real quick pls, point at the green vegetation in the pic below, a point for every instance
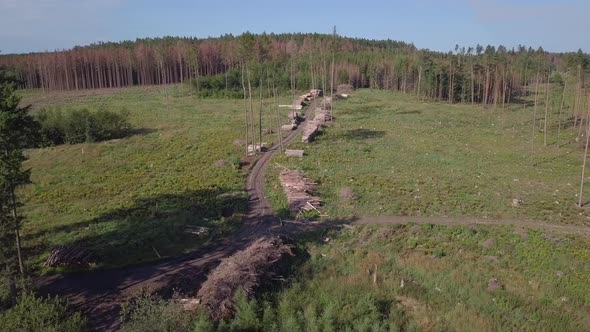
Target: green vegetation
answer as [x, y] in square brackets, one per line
[404, 157]
[34, 314]
[130, 200]
[380, 278]
[82, 126]
[416, 278]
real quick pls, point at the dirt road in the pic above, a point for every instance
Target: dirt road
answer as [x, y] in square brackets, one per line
[465, 221]
[100, 294]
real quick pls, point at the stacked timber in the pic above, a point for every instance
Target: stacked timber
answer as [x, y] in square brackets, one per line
[313, 127]
[70, 256]
[322, 116]
[310, 131]
[298, 103]
[301, 101]
[315, 93]
[295, 118]
[299, 190]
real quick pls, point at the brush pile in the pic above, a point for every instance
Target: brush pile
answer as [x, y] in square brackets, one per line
[246, 270]
[70, 256]
[299, 190]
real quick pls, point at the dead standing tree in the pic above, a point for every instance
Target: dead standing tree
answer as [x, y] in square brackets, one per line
[580, 198]
[332, 70]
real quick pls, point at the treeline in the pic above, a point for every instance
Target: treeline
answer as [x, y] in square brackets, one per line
[488, 75]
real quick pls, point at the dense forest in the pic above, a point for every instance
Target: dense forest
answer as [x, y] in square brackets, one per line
[487, 75]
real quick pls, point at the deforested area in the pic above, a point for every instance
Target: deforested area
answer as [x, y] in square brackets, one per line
[190, 166]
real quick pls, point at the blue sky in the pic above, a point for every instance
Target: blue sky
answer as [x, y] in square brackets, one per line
[40, 25]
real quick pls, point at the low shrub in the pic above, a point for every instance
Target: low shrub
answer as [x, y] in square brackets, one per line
[33, 313]
[146, 313]
[82, 126]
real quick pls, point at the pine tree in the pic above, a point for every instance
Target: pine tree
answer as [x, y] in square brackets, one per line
[18, 130]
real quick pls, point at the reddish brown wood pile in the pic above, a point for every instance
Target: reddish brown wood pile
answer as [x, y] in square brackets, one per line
[300, 191]
[244, 271]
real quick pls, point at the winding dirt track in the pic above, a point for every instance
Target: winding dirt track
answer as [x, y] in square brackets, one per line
[100, 294]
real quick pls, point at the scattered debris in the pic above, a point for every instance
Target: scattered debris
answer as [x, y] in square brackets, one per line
[299, 190]
[489, 243]
[245, 271]
[197, 230]
[494, 285]
[189, 304]
[294, 153]
[517, 202]
[347, 194]
[70, 256]
[493, 259]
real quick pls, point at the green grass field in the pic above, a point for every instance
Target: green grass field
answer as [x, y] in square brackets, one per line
[436, 278]
[401, 156]
[130, 200]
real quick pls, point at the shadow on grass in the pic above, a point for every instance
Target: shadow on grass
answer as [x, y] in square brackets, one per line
[359, 134]
[409, 112]
[50, 139]
[153, 227]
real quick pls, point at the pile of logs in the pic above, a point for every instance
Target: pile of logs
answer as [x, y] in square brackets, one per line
[294, 118]
[312, 128]
[301, 101]
[310, 131]
[70, 256]
[254, 148]
[299, 190]
[322, 116]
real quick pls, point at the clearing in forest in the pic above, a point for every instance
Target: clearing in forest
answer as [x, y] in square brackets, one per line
[400, 156]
